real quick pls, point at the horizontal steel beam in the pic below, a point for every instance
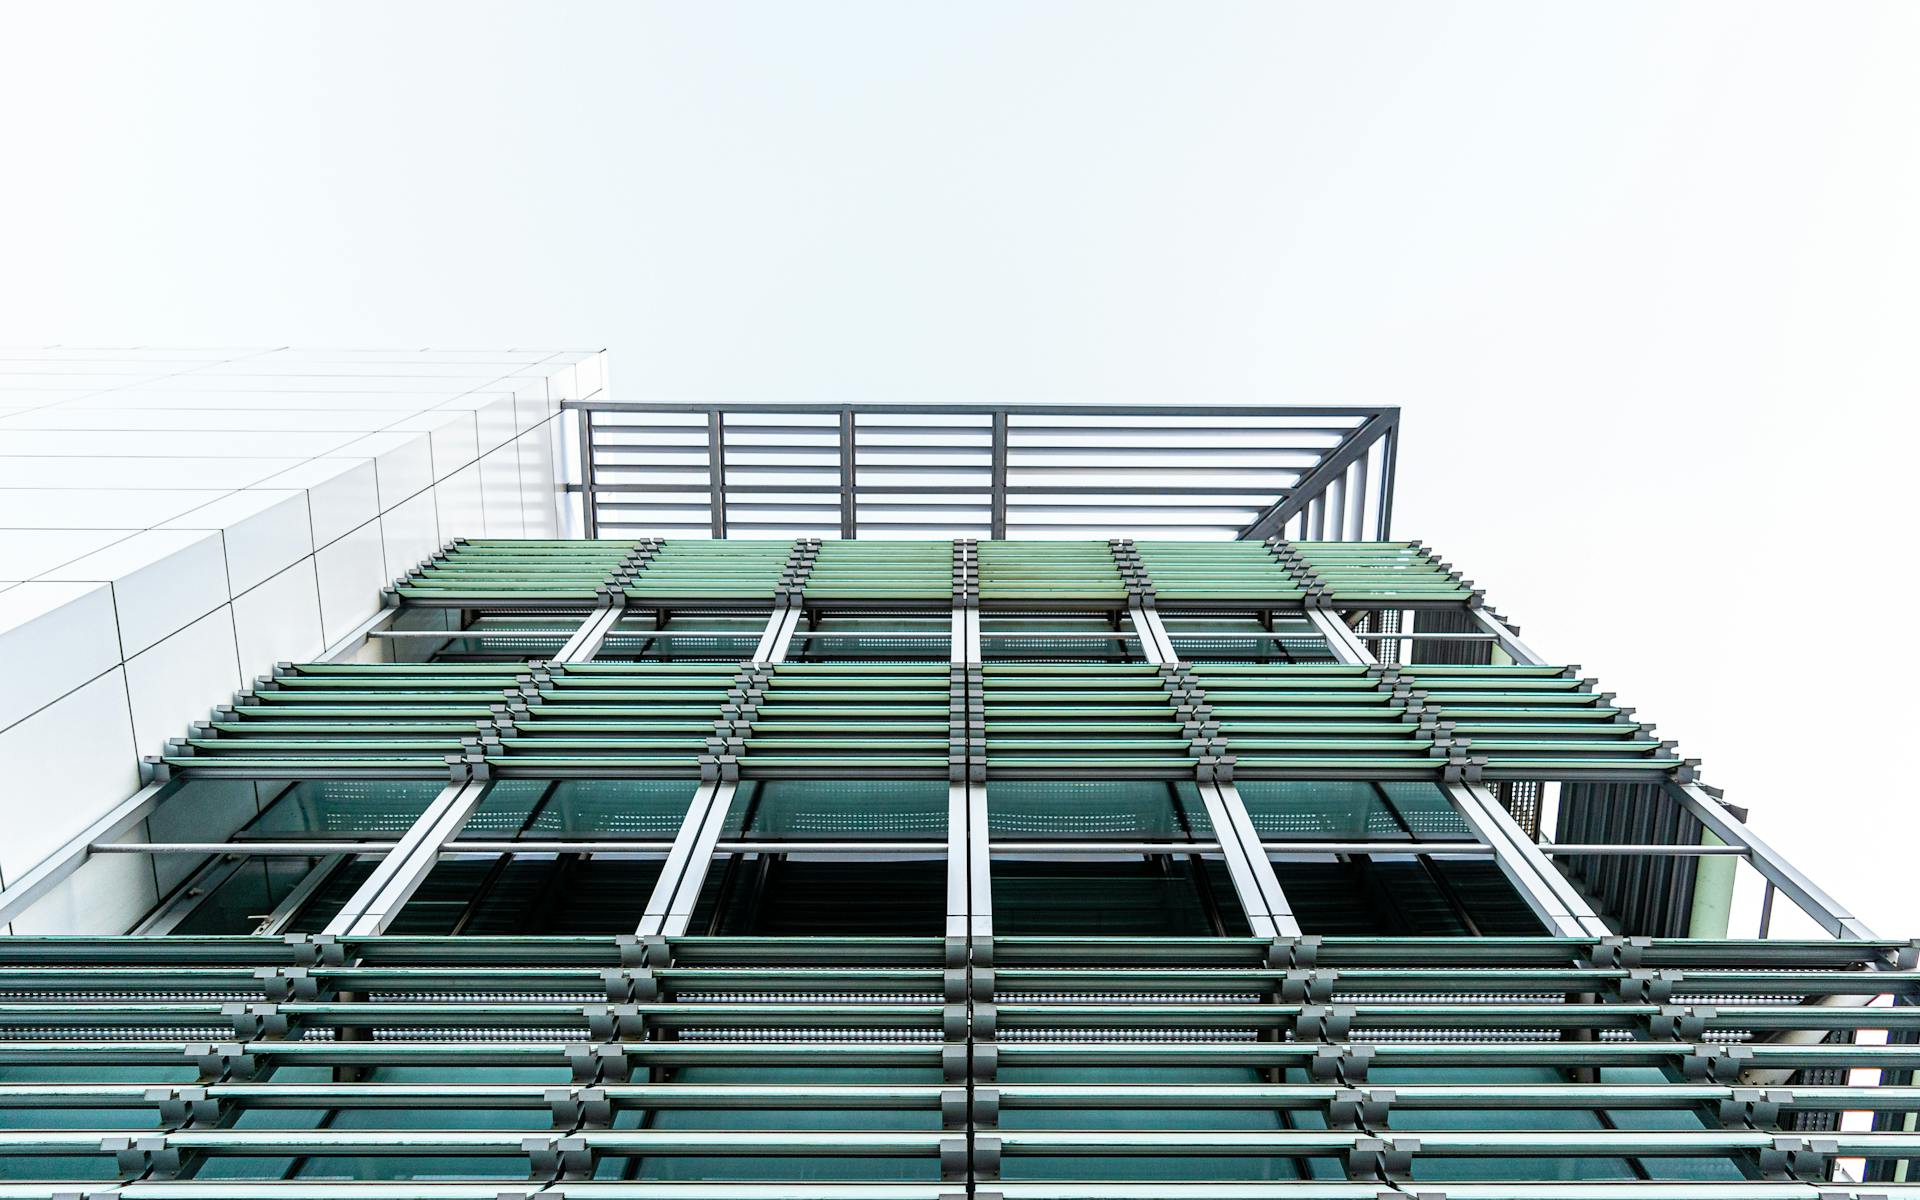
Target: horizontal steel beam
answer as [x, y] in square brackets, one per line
[1772, 866]
[1183, 411]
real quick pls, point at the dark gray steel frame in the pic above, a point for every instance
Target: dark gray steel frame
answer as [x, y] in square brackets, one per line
[1375, 425]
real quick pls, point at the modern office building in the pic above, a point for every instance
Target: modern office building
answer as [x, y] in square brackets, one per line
[919, 802]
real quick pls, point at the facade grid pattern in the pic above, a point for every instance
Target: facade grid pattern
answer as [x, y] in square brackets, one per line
[838, 870]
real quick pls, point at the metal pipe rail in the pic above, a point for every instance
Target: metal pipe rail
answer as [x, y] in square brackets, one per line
[914, 1054]
[509, 575]
[1034, 1097]
[585, 846]
[850, 576]
[647, 575]
[650, 1142]
[1867, 959]
[1376, 575]
[853, 1021]
[1294, 1189]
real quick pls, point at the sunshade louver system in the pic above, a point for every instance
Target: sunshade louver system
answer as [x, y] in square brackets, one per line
[930, 869]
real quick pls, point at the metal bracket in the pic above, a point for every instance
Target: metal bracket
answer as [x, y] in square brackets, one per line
[1380, 1158]
[1719, 1062]
[221, 1061]
[1133, 572]
[1754, 1108]
[598, 1063]
[143, 1157]
[181, 1107]
[558, 1157]
[1343, 1063]
[580, 1107]
[1359, 1108]
[790, 592]
[1792, 1157]
[631, 985]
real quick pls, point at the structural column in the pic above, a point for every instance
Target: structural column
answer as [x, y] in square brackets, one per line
[969, 852]
[684, 874]
[1254, 882]
[378, 900]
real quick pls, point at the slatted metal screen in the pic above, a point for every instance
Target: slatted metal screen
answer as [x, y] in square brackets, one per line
[985, 471]
[671, 868]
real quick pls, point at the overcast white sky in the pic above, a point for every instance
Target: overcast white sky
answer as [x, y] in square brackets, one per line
[1644, 277]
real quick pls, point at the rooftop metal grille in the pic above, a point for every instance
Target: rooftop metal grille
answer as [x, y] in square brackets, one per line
[982, 470]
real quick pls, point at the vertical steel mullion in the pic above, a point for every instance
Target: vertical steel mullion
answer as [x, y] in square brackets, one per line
[1156, 644]
[688, 859]
[1340, 638]
[589, 509]
[1389, 456]
[997, 524]
[699, 862]
[1334, 502]
[1279, 910]
[777, 638]
[1357, 498]
[383, 893]
[1261, 897]
[849, 520]
[969, 849]
[1553, 899]
[660, 900]
[959, 923]
[592, 634]
[717, 473]
[1247, 883]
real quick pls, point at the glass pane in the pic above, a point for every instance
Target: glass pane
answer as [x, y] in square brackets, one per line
[773, 896]
[1342, 810]
[688, 637]
[320, 808]
[1150, 896]
[1246, 639]
[619, 809]
[1351, 811]
[839, 810]
[1382, 896]
[1058, 638]
[464, 635]
[1096, 808]
[1425, 810]
[874, 639]
[553, 895]
[246, 897]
